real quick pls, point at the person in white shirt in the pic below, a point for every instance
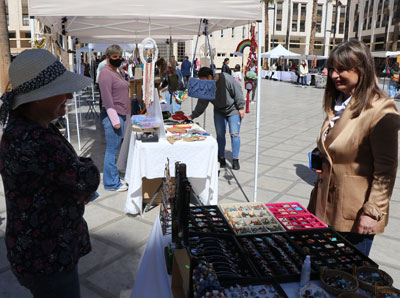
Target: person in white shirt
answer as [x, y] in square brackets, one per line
[237, 74]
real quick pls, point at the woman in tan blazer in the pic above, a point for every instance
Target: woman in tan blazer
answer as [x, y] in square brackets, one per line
[358, 146]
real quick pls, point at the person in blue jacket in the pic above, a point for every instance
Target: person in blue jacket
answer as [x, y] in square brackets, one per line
[186, 70]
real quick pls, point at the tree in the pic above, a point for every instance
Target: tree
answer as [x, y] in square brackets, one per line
[396, 22]
[266, 23]
[5, 56]
[313, 27]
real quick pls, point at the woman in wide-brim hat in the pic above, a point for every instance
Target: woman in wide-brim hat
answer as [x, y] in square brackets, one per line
[46, 183]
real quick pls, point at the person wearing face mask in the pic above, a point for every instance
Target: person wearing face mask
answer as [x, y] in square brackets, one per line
[358, 148]
[116, 107]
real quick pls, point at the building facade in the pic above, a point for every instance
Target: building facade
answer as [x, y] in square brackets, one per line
[371, 21]
[18, 25]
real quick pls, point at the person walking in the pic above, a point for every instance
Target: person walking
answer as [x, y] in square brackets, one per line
[228, 109]
[46, 184]
[225, 67]
[358, 148]
[116, 107]
[186, 68]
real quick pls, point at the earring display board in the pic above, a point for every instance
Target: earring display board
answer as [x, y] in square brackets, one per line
[250, 218]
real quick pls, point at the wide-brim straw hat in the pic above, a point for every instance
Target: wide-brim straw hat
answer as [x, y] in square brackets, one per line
[29, 64]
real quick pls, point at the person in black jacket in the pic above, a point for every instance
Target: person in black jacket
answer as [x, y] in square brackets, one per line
[225, 67]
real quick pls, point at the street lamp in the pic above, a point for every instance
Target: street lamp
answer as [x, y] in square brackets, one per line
[273, 34]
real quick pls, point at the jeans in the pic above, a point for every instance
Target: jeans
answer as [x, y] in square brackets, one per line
[111, 180]
[59, 285]
[303, 80]
[186, 80]
[234, 122]
[392, 88]
[361, 241]
[253, 92]
[173, 105]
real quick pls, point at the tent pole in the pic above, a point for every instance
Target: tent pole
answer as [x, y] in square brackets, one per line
[67, 120]
[258, 112]
[77, 123]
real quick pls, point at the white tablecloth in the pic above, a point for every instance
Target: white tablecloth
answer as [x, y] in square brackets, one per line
[152, 279]
[149, 159]
[285, 76]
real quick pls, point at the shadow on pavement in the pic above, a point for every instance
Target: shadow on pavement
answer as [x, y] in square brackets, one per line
[306, 174]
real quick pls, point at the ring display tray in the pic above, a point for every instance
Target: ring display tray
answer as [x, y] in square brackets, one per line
[329, 249]
[207, 219]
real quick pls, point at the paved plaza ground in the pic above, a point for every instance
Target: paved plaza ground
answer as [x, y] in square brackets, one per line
[291, 117]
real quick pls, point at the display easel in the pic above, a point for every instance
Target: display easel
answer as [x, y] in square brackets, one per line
[205, 32]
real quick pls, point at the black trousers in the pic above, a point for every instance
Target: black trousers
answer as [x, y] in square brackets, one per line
[60, 285]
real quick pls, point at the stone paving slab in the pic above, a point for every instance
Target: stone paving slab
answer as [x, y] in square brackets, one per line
[290, 121]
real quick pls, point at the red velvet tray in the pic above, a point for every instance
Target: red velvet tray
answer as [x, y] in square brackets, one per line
[293, 216]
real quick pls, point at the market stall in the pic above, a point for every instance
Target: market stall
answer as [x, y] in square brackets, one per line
[275, 250]
[127, 21]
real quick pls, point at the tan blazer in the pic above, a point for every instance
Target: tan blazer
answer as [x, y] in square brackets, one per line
[359, 167]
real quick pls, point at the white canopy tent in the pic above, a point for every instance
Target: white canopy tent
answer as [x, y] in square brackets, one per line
[280, 52]
[132, 20]
[389, 54]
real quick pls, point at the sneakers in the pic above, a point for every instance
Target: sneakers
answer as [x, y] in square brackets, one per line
[222, 162]
[122, 188]
[235, 164]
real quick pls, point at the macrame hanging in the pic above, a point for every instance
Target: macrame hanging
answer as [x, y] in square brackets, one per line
[148, 55]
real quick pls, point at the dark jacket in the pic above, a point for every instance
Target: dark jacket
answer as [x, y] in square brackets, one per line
[226, 68]
[185, 68]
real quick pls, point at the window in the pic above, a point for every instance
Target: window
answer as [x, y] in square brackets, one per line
[294, 26]
[25, 16]
[222, 33]
[369, 23]
[302, 26]
[233, 32]
[319, 10]
[341, 28]
[295, 9]
[232, 55]
[378, 21]
[318, 27]
[295, 43]
[279, 9]
[221, 54]
[278, 25]
[334, 19]
[12, 35]
[25, 20]
[318, 45]
[181, 50]
[25, 34]
[380, 5]
[243, 32]
[303, 10]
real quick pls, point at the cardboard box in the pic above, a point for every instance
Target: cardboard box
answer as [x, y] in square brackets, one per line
[180, 274]
[149, 188]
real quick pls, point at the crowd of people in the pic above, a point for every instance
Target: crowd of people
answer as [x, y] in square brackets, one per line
[47, 184]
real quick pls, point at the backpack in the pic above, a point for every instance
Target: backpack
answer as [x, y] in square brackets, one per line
[396, 77]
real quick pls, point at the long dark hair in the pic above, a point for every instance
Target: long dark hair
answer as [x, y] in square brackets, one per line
[353, 55]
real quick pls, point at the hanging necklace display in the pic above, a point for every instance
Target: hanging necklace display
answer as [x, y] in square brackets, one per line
[148, 55]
